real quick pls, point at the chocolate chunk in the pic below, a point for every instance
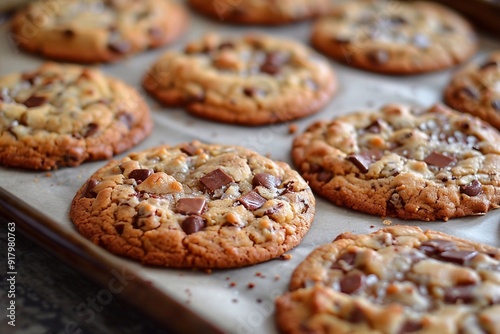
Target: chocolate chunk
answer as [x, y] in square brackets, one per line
[469, 92]
[315, 168]
[352, 282]
[140, 174]
[324, 176]
[191, 206]
[252, 200]
[359, 161]
[434, 246]
[89, 189]
[275, 209]
[119, 227]
[438, 159]
[267, 180]
[357, 315]
[68, 33]
[345, 260]
[464, 294]
[421, 41]
[193, 224]
[378, 57]
[126, 118]
[253, 91]
[341, 40]
[226, 45]
[190, 149]
[35, 101]
[495, 104]
[92, 129]
[273, 62]
[458, 256]
[411, 326]
[374, 127]
[472, 189]
[216, 180]
[488, 64]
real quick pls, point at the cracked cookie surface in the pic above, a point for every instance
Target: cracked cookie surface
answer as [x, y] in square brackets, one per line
[261, 11]
[395, 37]
[396, 280]
[476, 90]
[63, 115]
[93, 31]
[195, 206]
[252, 80]
[403, 162]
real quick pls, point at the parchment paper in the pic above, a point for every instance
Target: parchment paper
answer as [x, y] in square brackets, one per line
[224, 297]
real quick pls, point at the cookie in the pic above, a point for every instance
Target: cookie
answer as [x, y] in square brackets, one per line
[250, 80]
[261, 11]
[396, 280]
[63, 115]
[405, 162]
[93, 31]
[395, 37]
[195, 206]
[476, 90]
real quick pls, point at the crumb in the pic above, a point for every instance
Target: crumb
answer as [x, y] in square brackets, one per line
[387, 222]
[232, 284]
[259, 300]
[207, 271]
[259, 274]
[372, 226]
[292, 128]
[36, 180]
[228, 278]
[286, 257]
[235, 300]
[251, 285]
[277, 277]
[48, 174]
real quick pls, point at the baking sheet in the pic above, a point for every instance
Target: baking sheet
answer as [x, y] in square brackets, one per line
[224, 297]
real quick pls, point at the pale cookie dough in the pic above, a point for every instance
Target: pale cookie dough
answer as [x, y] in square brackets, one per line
[261, 11]
[92, 31]
[249, 80]
[394, 281]
[476, 90]
[404, 162]
[63, 115]
[195, 206]
[395, 37]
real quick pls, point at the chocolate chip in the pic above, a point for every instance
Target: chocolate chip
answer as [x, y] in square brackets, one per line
[324, 176]
[352, 282]
[191, 206]
[89, 189]
[341, 40]
[252, 200]
[496, 104]
[253, 91]
[464, 294]
[469, 92]
[35, 101]
[378, 57]
[357, 315]
[488, 64]
[458, 256]
[411, 326]
[68, 33]
[140, 174]
[126, 118]
[119, 227]
[265, 179]
[472, 189]
[434, 246]
[421, 41]
[216, 180]
[438, 159]
[374, 127]
[315, 168]
[226, 45]
[345, 260]
[92, 129]
[360, 161]
[273, 62]
[193, 224]
[190, 149]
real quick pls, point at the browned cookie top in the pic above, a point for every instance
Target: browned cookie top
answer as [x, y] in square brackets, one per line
[396, 280]
[91, 31]
[195, 205]
[261, 11]
[476, 90]
[61, 115]
[404, 162]
[395, 37]
[249, 80]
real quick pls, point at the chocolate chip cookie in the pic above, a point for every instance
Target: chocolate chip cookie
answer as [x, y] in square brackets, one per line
[92, 31]
[249, 80]
[261, 11]
[476, 90]
[63, 115]
[396, 280]
[395, 37]
[404, 162]
[196, 206]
